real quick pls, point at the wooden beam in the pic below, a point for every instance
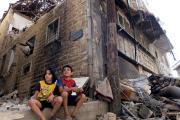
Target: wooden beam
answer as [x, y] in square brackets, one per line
[112, 56]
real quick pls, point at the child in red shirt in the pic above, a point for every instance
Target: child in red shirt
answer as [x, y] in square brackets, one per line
[72, 95]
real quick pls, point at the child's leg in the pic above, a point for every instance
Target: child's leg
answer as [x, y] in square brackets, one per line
[81, 99]
[65, 103]
[56, 103]
[35, 106]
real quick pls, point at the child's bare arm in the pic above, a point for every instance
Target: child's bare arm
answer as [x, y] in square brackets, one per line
[35, 95]
[66, 89]
[61, 89]
[76, 89]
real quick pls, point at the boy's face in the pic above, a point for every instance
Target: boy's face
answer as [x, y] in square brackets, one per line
[48, 76]
[67, 72]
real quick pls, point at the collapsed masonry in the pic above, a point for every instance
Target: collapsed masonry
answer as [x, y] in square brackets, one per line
[36, 34]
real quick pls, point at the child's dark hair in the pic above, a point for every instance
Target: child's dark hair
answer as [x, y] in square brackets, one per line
[54, 77]
[67, 66]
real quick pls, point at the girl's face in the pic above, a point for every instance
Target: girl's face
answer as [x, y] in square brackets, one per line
[67, 72]
[48, 76]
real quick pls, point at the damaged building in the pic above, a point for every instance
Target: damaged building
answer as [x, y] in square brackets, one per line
[34, 36]
[37, 34]
[177, 67]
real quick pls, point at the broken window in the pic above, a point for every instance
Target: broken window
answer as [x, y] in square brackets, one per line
[26, 69]
[15, 30]
[52, 31]
[156, 54]
[120, 20]
[3, 63]
[28, 46]
[31, 43]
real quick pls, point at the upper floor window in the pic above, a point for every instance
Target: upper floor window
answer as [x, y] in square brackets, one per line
[31, 43]
[28, 47]
[120, 20]
[52, 31]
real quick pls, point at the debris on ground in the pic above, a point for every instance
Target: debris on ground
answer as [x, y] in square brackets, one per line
[155, 97]
[107, 116]
[11, 107]
[146, 98]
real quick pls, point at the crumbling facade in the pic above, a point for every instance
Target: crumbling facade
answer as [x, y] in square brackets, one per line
[74, 32]
[177, 67]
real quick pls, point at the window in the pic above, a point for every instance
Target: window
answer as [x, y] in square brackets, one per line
[3, 63]
[31, 43]
[28, 47]
[26, 69]
[120, 20]
[52, 31]
[156, 54]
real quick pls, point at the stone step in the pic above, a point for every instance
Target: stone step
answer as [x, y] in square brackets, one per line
[89, 111]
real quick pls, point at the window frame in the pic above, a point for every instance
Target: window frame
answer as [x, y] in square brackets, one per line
[22, 69]
[47, 28]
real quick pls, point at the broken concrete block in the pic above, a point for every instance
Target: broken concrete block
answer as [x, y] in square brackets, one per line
[144, 112]
[107, 116]
[111, 116]
[128, 93]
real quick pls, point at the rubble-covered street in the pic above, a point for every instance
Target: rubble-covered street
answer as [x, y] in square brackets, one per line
[141, 99]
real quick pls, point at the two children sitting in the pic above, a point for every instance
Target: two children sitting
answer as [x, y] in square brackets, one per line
[52, 93]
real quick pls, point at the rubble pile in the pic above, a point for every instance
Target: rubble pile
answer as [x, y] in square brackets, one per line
[155, 97]
[11, 107]
[149, 98]
[108, 116]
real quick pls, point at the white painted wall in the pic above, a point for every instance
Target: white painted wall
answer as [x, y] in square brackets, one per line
[19, 22]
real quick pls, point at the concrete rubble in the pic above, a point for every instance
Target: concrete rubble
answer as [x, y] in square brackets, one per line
[11, 107]
[150, 98]
[155, 97]
[138, 101]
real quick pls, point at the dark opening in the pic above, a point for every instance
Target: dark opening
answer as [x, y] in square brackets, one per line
[31, 43]
[3, 63]
[26, 68]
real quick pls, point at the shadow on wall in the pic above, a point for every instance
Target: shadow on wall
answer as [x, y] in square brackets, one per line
[2, 82]
[127, 70]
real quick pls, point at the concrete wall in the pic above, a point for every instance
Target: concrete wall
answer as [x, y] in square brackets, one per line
[4, 26]
[19, 22]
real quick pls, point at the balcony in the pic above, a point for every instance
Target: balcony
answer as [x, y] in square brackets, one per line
[148, 24]
[123, 32]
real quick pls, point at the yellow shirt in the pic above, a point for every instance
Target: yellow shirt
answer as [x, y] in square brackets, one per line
[45, 90]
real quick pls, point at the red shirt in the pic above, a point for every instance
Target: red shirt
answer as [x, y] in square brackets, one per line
[69, 84]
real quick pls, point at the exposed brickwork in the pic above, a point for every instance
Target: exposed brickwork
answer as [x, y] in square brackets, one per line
[72, 17]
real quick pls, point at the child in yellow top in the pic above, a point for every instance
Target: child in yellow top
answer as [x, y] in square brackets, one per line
[46, 95]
